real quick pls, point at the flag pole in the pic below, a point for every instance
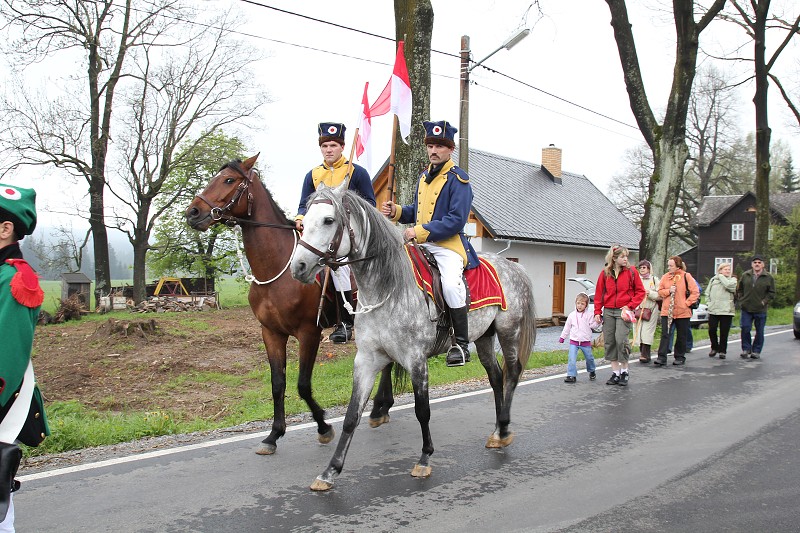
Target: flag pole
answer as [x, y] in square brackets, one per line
[350, 161]
[392, 193]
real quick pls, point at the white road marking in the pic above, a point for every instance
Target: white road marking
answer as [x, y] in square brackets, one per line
[261, 435]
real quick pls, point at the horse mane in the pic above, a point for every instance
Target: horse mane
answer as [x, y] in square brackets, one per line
[280, 215]
[387, 268]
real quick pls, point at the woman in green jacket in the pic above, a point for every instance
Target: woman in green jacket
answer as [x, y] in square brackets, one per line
[719, 298]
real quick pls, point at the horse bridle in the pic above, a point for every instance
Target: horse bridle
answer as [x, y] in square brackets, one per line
[328, 257]
[221, 213]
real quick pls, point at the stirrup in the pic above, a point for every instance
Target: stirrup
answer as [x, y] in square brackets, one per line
[457, 356]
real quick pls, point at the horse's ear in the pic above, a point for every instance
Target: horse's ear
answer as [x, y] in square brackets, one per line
[339, 190]
[250, 161]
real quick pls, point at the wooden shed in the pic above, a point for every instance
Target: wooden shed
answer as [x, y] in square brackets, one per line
[76, 283]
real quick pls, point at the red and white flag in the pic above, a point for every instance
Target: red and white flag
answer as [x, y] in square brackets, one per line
[364, 132]
[396, 96]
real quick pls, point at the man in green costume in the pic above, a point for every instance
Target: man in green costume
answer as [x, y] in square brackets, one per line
[22, 417]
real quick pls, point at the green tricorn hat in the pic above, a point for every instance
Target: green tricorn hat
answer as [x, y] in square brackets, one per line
[18, 205]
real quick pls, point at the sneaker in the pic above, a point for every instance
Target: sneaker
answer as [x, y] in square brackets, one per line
[679, 361]
[722, 355]
[755, 355]
[613, 380]
[623, 380]
[592, 376]
[570, 379]
[744, 355]
[712, 353]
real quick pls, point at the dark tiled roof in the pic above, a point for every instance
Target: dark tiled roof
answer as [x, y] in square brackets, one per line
[75, 277]
[713, 207]
[784, 203]
[517, 200]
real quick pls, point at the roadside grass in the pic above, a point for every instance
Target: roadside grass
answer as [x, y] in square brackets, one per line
[75, 427]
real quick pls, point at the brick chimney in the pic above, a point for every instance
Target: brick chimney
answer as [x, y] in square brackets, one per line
[551, 162]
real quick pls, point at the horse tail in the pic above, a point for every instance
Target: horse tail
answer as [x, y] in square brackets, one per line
[527, 336]
[400, 377]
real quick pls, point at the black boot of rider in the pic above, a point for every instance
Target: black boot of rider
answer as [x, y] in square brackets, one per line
[10, 457]
[458, 354]
[344, 330]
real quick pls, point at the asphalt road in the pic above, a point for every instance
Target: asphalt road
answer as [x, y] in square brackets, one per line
[711, 446]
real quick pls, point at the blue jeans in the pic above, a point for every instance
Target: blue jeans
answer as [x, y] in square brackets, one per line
[572, 367]
[748, 320]
[689, 338]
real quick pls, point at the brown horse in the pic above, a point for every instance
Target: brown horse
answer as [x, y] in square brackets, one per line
[281, 304]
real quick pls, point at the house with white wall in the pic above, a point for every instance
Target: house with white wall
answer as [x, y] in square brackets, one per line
[556, 224]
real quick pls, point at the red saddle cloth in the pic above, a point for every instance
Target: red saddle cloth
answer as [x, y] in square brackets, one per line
[483, 281]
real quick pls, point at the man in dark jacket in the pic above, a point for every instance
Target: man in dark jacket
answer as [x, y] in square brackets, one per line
[755, 290]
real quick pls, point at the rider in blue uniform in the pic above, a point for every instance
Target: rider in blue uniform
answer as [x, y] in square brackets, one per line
[440, 210]
[332, 172]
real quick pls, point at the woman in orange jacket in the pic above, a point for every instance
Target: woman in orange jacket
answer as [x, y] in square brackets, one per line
[678, 291]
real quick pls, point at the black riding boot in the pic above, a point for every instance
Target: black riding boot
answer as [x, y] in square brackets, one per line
[458, 354]
[344, 330]
[10, 457]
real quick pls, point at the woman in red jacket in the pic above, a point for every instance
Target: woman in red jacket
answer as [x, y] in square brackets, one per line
[679, 292]
[619, 291]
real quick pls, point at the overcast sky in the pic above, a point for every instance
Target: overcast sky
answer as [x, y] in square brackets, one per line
[315, 72]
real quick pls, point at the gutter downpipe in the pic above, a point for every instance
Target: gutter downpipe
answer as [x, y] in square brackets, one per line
[508, 245]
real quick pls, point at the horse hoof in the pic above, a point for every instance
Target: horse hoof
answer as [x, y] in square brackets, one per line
[376, 422]
[421, 471]
[321, 485]
[266, 449]
[325, 438]
[496, 442]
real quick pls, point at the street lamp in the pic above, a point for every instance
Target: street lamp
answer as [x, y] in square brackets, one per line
[466, 68]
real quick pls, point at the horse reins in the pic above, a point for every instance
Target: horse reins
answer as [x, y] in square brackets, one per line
[328, 257]
[220, 213]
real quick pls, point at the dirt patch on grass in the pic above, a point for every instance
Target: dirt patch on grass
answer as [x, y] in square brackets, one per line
[152, 361]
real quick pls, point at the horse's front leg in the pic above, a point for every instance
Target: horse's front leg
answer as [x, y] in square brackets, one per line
[365, 368]
[275, 344]
[384, 399]
[309, 345]
[422, 408]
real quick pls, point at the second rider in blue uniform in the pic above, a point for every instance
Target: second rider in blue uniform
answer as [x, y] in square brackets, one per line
[440, 210]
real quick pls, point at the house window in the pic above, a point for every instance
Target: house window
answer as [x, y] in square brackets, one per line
[737, 232]
[722, 260]
[581, 267]
[773, 266]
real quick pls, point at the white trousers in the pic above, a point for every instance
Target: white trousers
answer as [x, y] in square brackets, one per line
[341, 278]
[451, 267]
[7, 525]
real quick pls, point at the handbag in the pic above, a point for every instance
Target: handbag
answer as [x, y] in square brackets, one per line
[644, 313]
[689, 293]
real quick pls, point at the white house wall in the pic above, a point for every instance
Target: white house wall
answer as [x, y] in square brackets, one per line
[538, 259]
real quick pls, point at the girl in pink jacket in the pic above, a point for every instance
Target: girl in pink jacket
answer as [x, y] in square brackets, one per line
[579, 329]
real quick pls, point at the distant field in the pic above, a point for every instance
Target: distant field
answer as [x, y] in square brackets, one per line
[232, 292]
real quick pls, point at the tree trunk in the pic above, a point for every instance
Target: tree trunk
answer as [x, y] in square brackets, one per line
[139, 271]
[667, 140]
[763, 132]
[414, 24]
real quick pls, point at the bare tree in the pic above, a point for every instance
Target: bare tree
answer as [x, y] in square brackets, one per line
[755, 17]
[413, 21]
[667, 140]
[201, 87]
[75, 133]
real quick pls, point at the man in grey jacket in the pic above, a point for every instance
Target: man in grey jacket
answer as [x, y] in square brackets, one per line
[755, 290]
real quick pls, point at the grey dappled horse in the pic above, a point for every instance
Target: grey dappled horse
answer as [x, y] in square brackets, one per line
[394, 323]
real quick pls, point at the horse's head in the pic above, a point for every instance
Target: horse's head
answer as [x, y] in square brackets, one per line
[326, 233]
[225, 196]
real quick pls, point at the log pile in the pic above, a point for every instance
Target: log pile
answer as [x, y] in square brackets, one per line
[170, 304]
